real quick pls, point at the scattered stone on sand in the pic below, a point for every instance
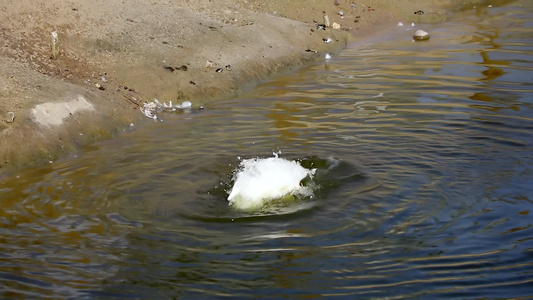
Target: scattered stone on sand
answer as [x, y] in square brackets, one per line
[10, 117]
[421, 35]
[336, 26]
[172, 69]
[326, 21]
[54, 45]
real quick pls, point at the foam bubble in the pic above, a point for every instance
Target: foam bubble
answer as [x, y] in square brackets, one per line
[261, 181]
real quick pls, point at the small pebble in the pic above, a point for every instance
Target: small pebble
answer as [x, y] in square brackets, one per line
[10, 117]
[421, 35]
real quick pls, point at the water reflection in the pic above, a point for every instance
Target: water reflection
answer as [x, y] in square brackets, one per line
[489, 39]
[285, 116]
[430, 197]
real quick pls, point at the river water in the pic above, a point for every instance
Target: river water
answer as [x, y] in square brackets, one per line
[424, 183]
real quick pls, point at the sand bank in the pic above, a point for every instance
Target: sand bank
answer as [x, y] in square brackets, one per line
[113, 56]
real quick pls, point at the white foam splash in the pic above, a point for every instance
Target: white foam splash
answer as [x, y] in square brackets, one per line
[260, 181]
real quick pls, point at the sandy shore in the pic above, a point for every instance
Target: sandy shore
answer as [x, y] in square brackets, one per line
[114, 56]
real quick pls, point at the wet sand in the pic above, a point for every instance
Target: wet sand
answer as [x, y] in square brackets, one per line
[115, 56]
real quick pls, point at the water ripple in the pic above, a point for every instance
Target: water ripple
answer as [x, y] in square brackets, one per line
[430, 196]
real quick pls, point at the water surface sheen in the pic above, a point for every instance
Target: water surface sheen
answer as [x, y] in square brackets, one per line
[426, 186]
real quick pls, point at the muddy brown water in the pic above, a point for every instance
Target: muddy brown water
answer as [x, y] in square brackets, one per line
[425, 152]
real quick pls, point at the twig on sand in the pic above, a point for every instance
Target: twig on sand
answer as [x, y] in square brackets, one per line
[133, 100]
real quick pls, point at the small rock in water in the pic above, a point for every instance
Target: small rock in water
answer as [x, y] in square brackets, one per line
[184, 104]
[421, 35]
